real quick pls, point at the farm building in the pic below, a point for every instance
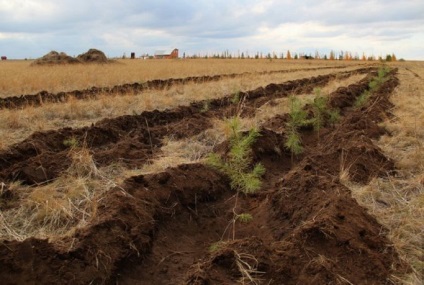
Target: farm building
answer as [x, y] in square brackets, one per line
[168, 55]
[3, 57]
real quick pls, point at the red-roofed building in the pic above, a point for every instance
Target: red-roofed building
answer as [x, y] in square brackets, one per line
[166, 55]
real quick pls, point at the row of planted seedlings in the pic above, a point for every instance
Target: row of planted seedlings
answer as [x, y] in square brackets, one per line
[316, 113]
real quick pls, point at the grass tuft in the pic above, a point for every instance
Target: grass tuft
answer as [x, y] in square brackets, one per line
[57, 208]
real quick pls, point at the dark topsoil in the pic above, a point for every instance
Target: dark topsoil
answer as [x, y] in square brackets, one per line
[306, 228]
[42, 97]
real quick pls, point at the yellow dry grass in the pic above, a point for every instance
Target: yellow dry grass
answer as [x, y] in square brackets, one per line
[70, 201]
[398, 201]
[58, 208]
[19, 78]
[16, 125]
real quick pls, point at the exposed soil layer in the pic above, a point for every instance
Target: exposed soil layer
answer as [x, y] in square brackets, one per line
[163, 228]
[42, 97]
[135, 139]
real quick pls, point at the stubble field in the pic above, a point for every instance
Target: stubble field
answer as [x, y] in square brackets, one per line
[106, 173]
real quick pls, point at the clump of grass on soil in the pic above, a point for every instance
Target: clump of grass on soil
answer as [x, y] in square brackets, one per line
[57, 208]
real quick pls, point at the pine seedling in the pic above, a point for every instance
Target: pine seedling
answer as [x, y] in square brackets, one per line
[297, 119]
[71, 142]
[216, 246]
[244, 218]
[297, 114]
[205, 106]
[319, 108]
[236, 98]
[374, 84]
[237, 166]
[322, 114]
[362, 99]
[293, 142]
[382, 72]
[334, 116]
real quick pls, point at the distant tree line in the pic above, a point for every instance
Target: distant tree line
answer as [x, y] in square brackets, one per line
[341, 55]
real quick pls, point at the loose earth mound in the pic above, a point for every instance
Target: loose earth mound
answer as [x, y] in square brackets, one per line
[174, 227]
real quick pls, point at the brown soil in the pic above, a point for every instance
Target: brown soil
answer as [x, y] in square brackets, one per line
[42, 97]
[307, 228]
[135, 139]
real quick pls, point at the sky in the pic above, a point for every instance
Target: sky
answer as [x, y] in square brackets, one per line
[32, 28]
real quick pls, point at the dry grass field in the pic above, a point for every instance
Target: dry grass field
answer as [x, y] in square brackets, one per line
[18, 77]
[21, 78]
[63, 162]
[398, 201]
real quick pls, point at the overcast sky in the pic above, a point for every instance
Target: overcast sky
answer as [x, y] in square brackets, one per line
[31, 28]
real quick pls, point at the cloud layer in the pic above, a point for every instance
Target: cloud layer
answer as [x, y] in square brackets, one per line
[31, 28]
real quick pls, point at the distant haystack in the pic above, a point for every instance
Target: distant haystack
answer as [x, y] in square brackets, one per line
[53, 58]
[93, 56]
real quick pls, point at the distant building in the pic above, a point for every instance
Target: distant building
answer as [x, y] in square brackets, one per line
[167, 55]
[3, 57]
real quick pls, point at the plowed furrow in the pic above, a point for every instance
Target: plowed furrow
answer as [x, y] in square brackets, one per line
[135, 139]
[157, 84]
[306, 229]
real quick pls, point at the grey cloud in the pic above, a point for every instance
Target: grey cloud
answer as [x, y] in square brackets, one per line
[202, 24]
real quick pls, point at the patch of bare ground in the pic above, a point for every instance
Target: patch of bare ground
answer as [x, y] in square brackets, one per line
[172, 227]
